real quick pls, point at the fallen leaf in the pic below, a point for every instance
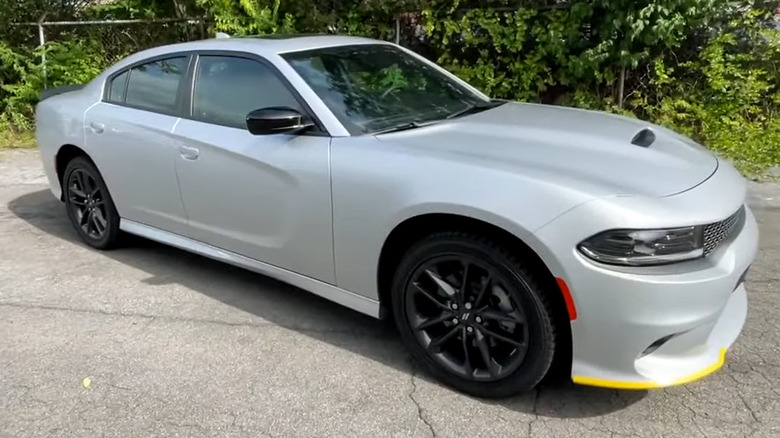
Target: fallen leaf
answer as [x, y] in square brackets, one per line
[86, 382]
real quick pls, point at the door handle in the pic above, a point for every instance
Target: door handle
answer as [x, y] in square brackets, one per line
[189, 153]
[97, 128]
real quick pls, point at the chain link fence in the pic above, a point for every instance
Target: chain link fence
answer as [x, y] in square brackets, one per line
[114, 39]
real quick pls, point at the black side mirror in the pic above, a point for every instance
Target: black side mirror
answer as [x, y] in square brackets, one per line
[267, 121]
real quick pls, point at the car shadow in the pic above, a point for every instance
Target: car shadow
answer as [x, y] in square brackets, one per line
[298, 310]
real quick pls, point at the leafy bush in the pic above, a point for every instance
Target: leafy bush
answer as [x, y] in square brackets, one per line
[728, 98]
[23, 76]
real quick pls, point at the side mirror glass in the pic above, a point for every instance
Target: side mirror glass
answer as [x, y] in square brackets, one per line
[268, 121]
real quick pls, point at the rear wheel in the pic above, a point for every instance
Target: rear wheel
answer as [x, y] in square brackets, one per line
[90, 207]
[473, 315]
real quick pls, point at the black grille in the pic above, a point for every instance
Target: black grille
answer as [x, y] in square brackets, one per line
[716, 233]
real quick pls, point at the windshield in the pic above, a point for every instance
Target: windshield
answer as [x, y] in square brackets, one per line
[374, 87]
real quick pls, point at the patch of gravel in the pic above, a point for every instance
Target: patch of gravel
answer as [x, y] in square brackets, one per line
[21, 167]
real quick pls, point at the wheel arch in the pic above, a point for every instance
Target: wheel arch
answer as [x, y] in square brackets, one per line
[415, 228]
[64, 155]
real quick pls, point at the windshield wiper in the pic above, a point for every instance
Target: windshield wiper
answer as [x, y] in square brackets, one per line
[476, 108]
[403, 127]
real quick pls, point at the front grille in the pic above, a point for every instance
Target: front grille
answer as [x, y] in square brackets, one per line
[716, 233]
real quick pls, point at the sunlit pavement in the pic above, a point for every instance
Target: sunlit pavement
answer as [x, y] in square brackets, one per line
[151, 341]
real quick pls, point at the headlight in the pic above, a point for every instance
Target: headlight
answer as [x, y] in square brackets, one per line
[645, 247]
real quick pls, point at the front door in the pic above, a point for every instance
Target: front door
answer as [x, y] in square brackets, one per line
[264, 197]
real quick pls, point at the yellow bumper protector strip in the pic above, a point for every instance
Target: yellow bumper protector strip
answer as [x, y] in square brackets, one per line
[617, 384]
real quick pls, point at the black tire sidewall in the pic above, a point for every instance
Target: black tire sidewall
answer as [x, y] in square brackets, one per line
[109, 238]
[527, 292]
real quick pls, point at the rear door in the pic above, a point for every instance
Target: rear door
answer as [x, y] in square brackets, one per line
[130, 136]
[266, 197]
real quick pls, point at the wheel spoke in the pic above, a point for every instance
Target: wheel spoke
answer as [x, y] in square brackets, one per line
[443, 285]
[75, 201]
[80, 180]
[78, 192]
[99, 221]
[438, 342]
[430, 322]
[467, 360]
[485, 286]
[93, 221]
[501, 337]
[86, 222]
[484, 351]
[464, 283]
[493, 315]
[430, 297]
[89, 186]
[85, 217]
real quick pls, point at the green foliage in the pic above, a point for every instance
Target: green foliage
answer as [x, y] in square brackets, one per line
[728, 98]
[249, 17]
[72, 62]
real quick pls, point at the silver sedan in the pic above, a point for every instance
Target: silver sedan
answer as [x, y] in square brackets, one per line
[506, 240]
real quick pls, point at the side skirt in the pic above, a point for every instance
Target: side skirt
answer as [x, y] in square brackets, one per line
[329, 292]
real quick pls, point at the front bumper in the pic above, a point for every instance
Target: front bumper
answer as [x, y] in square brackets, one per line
[701, 305]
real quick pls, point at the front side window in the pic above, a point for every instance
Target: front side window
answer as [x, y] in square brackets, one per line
[154, 86]
[228, 88]
[374, 87]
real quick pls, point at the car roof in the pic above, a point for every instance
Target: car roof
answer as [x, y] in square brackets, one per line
[270, 44]
[263, 45]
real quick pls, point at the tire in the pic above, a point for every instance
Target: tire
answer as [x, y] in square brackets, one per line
[89, 205]
[502, 309]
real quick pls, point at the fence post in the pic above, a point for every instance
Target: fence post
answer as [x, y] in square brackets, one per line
[42, 41]
[397, 29]
[622, 87]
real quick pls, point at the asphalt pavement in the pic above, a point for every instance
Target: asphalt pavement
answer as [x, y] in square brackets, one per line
[148, 340]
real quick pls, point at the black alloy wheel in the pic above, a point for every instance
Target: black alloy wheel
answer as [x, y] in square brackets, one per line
[474, 315]
[90, 207]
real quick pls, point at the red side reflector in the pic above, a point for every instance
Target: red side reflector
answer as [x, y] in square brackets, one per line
[567, 298]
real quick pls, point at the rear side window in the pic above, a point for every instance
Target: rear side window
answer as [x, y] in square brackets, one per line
[229, 88]
[116, 92]
[154, 86]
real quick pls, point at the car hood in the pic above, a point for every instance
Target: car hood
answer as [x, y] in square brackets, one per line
[581, 149]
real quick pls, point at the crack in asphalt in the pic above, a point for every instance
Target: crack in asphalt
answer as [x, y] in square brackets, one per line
[534, 410]
[152, 318]
[694, 414]
[741, 396]
[420, 411]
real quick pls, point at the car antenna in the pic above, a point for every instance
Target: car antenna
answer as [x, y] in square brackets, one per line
[222, 35]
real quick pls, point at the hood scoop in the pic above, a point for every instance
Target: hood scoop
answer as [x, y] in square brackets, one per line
[644, 138]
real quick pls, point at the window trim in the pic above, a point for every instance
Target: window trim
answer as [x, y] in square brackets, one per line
[319, 129]
[184, 95]
[111, 84]
[177, 110]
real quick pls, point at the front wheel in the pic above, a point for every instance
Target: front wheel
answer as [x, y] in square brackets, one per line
[474, 315]
[90, 207]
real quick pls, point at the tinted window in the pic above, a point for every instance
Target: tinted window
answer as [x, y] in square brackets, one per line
[228, 88]
[116, 93]
[373, 87]
[154, 86]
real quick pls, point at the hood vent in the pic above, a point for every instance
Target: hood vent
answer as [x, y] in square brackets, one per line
[644, 138]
